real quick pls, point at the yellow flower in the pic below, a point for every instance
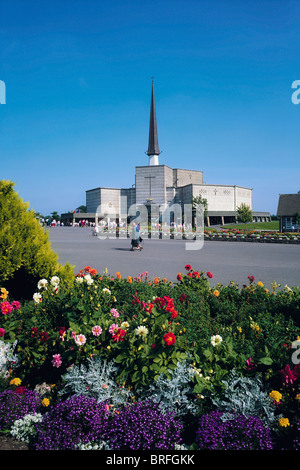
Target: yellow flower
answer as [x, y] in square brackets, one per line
[260, 284]
[239, 329]
[254, 326]
[16, 382]
[4, 293]
[298, 396]
[284, 422]
[276, 396]
[46, 402]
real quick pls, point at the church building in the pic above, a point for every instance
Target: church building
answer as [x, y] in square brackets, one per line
[162, 185]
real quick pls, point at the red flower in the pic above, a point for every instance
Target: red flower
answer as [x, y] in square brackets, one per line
[188, 267]
[34, 332]
[20, 390]
[174, 314]
[209, 275]
[118, 335]
[251, 279]
[196, 274]
[44, 336]
[179, 277]
[182, 297]
[169, 338]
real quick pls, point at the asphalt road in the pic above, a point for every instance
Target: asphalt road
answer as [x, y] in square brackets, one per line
[227, 261]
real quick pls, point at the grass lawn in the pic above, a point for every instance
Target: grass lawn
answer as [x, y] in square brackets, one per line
[273, 225]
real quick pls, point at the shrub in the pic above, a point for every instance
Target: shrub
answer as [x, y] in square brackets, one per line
[25, 251]
[238, 433]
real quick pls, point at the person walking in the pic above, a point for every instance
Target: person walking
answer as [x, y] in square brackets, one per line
[135, 238]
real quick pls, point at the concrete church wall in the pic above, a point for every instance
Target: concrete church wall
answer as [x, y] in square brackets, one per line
[151, 182]
[92, 199]
[223, 198]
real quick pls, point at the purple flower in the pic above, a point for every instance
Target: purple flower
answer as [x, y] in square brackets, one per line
[79, 419]
[143, 426]
[15, 406]
[240, 433]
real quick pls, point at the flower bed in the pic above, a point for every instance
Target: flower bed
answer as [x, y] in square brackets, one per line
[106, 362]
[252, 236]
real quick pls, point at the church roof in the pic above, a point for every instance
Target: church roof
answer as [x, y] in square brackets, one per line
[288, 204]
[153, 148]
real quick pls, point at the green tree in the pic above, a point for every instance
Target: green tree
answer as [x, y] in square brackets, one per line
[25, 251]
[244, 213]
[198, 201]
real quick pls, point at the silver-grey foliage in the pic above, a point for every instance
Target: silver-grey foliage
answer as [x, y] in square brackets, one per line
[246, 396]
[95, 379]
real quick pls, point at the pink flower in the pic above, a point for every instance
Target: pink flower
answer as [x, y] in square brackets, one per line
[15, 305]
[112, 328]
[6, 308]
[114, 313]
[2, 331]
[80, 340]
[250, 365]
[56, 361]
[289, 375]
[97, 330]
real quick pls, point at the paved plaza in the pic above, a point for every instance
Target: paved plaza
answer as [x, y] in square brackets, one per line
[227, 261]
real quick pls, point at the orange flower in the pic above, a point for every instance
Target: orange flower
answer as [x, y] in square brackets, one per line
[118, 275]
[165, 279]
[216, 293]
[129, 279]
[156, 281]
[93, 272]
[87, 269]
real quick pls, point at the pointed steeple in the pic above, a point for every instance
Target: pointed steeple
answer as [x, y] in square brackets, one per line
[153, 148]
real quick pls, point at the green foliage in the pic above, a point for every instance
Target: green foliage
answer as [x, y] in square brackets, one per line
[244, 213]
[25, 251]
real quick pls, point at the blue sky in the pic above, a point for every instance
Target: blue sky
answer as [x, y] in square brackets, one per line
[78, 84]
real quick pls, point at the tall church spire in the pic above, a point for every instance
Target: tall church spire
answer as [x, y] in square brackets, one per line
[153, 148]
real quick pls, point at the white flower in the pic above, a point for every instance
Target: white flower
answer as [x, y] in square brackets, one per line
[216, 340]
[42, 284]
[105, 290]
[79, 280]
[54, 281]
[124, 325]
[141, 331]
[88, 279]
[37, 297]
